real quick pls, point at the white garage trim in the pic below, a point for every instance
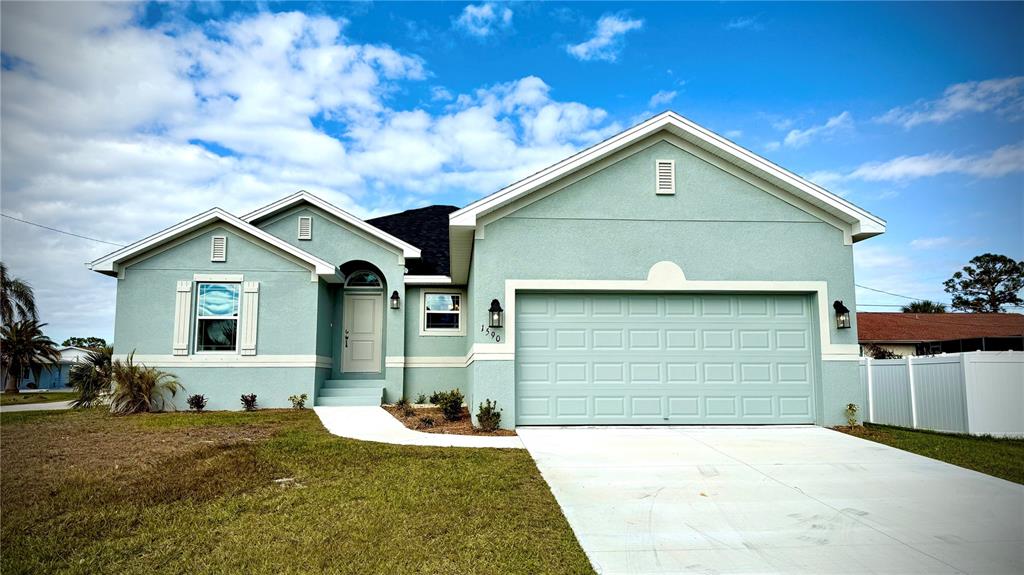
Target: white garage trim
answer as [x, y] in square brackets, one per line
[666, 277]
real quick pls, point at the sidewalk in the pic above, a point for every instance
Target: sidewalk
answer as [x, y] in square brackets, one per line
[374, 424]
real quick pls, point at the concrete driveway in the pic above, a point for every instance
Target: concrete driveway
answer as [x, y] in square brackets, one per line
[773, 500]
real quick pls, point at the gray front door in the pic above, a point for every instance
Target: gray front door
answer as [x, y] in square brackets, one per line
[664, 359]
[362, 319]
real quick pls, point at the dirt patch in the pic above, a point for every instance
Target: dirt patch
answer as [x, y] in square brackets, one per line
[464, 426]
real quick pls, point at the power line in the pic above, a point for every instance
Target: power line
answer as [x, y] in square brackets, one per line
[888, 293]
[60, 231]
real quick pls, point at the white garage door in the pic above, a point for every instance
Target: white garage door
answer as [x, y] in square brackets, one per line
[664, 359]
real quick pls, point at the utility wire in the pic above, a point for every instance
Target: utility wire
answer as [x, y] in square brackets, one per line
[60, 231]
[889, 293]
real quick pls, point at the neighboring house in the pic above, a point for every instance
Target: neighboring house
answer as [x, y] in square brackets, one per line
[932, 333]
[56, 377]
[664, 275]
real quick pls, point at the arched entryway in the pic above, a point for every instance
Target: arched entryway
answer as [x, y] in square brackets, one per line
[362, 319]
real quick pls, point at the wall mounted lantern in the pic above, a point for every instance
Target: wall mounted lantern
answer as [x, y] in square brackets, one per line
[842, 315]
[396, 302]
[496, 313]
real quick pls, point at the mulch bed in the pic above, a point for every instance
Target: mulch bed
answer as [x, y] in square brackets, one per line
[464, 426]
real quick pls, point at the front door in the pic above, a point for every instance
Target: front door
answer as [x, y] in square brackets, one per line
[362, 321]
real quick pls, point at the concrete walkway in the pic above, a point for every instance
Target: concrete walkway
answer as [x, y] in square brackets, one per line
[375, 424]
[53, 405]
[786, 500]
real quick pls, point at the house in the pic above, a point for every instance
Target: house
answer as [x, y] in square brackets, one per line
[664, 275]
[932, 333]
[57, 376]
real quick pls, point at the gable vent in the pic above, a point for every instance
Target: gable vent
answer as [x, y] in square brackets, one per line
[666, 176]
[219, 249]
[305, 228]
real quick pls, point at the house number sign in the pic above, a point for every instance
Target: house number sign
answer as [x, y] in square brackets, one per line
[493, 334]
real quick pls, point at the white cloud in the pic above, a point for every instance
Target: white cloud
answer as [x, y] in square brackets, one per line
[772, 146]
[482, 20]
[1000, 162]
[114, 130]
[607, 40]
[440, 93]
[929, 243]
[661, 98]
[1002, 95]
[734, 134]
[744, 23]
[800, 138]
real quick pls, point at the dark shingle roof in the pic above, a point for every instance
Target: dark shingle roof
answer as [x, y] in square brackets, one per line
[425, 228]
[918, 327]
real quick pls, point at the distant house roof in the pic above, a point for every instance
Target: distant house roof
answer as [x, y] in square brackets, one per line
[920, 327]
[425, 228]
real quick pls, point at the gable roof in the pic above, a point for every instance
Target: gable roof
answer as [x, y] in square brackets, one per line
[424, 227]
[918, 327]
[110, 263]
[408, 250]
[863, 223]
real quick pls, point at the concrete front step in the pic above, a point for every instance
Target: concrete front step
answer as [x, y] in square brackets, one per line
[352, 383]
[364, 400]
[352, 391]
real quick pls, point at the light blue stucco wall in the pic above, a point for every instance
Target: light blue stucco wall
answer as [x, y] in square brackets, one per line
[53, 378]
[339, 243]
[289, 297]
[612, 226]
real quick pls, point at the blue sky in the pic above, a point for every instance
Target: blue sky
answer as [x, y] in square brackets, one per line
[122, 119]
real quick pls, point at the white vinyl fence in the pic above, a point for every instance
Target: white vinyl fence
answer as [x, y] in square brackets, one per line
[981, 392]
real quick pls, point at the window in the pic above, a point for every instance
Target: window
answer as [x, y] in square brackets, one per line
[363, 279]
[442, 312]
[217, 317]
[305, 228]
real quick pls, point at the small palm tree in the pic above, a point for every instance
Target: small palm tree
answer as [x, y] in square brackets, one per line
[24, 350]
[17, 301]
[924, 306]
[92, 376]
[140, 389]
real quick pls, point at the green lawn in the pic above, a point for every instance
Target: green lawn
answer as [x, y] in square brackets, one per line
[36, 397]
[1000, 457]
[264, 492]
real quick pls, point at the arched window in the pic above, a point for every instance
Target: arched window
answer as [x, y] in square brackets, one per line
[363, 279]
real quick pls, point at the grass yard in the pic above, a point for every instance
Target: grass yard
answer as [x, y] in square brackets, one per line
[264, 492]
[999, 457]
[36, 397]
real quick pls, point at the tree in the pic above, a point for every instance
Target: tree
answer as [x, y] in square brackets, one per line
[92, 376]
[17, 301]
[988, 283]
[876, 352]
[25, 350]
[86, 342]
[924, 306]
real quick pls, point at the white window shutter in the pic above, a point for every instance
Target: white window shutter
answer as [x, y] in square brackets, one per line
[665, 173]
[219, 249]
[305, 228]
[182, 317]
[250, 313]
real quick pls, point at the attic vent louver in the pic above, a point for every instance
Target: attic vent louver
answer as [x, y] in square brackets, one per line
[665, 173]
[219, 249]
[305, 228]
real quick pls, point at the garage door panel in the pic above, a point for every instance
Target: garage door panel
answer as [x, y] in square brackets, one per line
[660, 358]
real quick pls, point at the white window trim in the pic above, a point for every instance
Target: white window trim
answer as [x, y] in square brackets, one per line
[238, 323]
[437, 331]
[299, 231]
[657, 168]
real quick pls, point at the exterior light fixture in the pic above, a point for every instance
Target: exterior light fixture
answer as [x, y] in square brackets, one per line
[842, 315]
[396, 302]
[496, 314]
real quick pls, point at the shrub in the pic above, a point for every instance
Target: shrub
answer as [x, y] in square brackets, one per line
[298, 401]
[91, 377]
[405, 408]
[489, 415]
[140, 389]
[426, 421]
[421, 399]
[881, 353]
[249, 402]
[450, 403]
[197, 402]
[851, 414]
[434, 397]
